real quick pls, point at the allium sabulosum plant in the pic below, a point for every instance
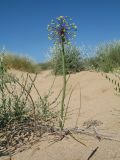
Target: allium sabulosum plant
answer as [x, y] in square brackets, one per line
[61, 31]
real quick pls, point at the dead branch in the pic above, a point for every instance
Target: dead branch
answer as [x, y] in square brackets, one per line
[92, 153]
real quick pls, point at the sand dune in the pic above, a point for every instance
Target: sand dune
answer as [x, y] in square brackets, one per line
[99, 102]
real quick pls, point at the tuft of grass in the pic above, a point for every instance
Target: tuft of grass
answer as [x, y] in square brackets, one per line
[107, 57]
[22, 63]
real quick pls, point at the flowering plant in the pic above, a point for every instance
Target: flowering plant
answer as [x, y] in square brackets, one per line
[62, 30]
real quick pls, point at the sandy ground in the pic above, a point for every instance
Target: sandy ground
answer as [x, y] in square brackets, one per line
[99, 102]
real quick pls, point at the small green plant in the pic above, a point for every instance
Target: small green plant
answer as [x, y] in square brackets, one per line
[62, 31]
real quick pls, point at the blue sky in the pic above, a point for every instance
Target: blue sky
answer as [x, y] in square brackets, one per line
[23, 23]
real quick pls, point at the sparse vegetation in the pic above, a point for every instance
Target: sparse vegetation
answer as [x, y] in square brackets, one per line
[106, 59]
[21, 117]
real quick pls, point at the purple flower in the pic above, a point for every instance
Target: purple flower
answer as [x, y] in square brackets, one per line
[62, 30]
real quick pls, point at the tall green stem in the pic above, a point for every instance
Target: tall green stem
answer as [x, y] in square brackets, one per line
[64, 87]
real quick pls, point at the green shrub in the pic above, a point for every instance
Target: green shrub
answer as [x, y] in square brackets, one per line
[73, 60]
[91, 63]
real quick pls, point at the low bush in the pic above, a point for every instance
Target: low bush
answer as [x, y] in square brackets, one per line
[73, 60]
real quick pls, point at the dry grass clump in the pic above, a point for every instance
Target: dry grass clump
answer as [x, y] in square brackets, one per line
[22, 63]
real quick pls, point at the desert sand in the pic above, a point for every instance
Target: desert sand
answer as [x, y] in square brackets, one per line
[98, 102]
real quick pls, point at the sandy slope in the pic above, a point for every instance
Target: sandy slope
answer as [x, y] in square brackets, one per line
[98, 103]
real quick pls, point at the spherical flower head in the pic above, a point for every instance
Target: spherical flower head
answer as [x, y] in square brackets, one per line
[62, 30]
